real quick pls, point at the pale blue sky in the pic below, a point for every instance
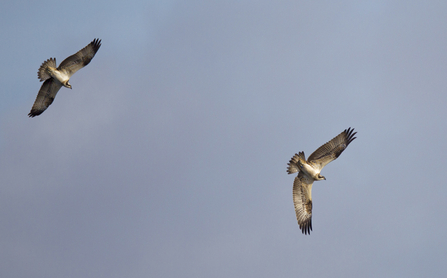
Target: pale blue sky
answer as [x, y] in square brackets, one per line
[168, 157]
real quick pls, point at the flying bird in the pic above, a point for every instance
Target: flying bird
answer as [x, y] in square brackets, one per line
[309, 171]
[55, 78]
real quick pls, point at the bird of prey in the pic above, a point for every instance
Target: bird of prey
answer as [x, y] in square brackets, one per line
[55, 78]
[309, 171]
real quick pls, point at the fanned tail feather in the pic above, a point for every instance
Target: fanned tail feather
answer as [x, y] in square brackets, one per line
[42, 73]
[294, 162]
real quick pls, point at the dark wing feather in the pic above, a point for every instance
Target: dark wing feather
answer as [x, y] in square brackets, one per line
[45, 97]
[302, 199]
[332, 149]
[82, 58]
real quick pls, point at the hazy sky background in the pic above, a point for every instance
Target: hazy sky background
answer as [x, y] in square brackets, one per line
[168, 157]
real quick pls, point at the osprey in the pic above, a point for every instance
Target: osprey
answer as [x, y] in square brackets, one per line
[309, 171]
[55, 78]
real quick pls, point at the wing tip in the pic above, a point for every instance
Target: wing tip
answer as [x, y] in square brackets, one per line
[350, 135]
[306, 227]
[33, 113]
[96, 43]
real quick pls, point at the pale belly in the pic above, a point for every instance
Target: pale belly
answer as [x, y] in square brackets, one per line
[59, 75]
[311, 171]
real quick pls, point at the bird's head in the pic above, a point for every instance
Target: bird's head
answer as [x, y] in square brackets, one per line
[320, 177]
[66, 84]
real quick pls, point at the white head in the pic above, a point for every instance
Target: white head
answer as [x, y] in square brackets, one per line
[66, 84]
[320, 177]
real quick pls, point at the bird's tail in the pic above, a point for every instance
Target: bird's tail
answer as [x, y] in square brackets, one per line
[42, 73]
[295, 161]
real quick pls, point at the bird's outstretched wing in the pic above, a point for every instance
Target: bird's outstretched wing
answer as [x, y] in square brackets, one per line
[302, 199]
[332, 149]
[45, 97]
[79, 60]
